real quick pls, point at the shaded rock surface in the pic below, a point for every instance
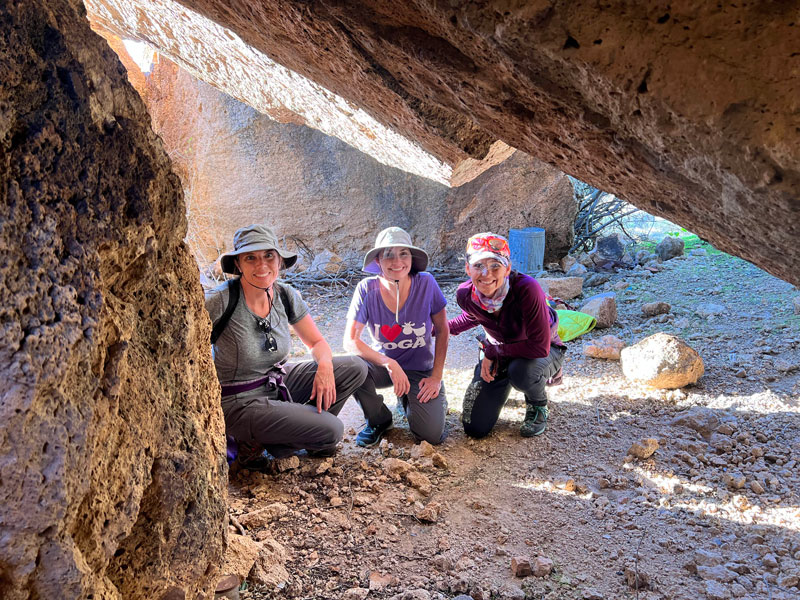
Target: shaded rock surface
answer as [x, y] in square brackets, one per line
[608, 94]
[239, 166]
[111, 447]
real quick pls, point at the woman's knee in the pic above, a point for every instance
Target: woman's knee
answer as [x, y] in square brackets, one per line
[427, 432]
[525, 374]
[475, 431]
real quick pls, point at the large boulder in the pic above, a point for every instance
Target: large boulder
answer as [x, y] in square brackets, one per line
[112, 457]
[239, 166]
[662, 361]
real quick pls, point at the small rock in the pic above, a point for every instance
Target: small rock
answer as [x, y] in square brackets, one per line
[577, 270]
[263, 516]
[280, 465]
[396, 467]
[698, 252]
[419, 481]
[439, 461]
[240, 555]
[565, 288]
[637, 580]
[716, 591]
[413, 594]
[603, 307]
[644, 448]
[652, 309]
[669, 248]
[542, 566]
[716, 573]
[796, 301]
[430, 513]
[422, 449]
[734, 480]
[596, 279]
[708, 309]
[520, 567]
[699, 418]
[356, 594]
[756, 487]
[567, 262]
[608, 347]
[379, 581]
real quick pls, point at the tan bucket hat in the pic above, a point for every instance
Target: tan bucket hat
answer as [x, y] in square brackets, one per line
[394, 237]
[251, 239]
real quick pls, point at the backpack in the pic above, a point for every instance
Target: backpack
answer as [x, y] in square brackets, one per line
[234, 292]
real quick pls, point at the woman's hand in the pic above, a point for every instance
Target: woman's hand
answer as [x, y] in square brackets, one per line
[429, 388]
[399, 378]
[488, 369]
[324, 387]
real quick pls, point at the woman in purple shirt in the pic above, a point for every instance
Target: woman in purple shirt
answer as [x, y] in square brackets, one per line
[400, 307]
[521, 348]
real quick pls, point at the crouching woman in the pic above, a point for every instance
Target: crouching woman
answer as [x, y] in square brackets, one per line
[521, 348]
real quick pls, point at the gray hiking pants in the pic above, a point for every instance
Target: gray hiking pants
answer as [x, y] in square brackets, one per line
[284, 427]
[483, 401]
[425, 420]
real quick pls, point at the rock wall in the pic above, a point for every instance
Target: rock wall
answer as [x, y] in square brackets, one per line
[112, 468]
[686, 109]
[242, 167]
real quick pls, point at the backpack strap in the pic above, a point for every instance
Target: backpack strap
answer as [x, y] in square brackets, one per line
[284, 294]
[234, 290]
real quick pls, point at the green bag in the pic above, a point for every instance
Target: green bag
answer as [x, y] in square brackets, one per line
[572, 324]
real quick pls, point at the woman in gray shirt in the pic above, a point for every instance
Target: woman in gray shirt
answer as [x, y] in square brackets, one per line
[269, 404]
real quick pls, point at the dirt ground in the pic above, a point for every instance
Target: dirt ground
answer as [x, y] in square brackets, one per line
[714, 513]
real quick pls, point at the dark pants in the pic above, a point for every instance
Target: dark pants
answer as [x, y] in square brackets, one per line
[483, 401]
[426, 420]
[284, 427]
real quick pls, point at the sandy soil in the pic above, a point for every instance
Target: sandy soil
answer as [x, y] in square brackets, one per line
[714, 513]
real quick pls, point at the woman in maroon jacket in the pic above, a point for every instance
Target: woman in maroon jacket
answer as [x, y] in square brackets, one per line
[521, 348]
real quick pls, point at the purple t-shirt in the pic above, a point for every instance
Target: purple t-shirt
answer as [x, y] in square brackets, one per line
[409, 340]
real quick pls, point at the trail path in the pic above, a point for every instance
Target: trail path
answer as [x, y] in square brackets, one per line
[714, 513]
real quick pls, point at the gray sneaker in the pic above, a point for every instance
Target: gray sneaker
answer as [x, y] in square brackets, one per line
[535, 421]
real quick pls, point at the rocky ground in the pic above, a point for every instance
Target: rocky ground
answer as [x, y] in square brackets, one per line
[714, 513]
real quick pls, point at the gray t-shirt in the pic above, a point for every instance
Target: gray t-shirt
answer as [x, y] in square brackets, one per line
[239, 354]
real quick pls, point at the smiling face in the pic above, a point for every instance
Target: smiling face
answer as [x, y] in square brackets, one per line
[395, 263]
[260, 268]
[488, 275]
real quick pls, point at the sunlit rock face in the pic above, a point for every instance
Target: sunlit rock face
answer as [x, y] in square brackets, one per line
[112, 467]
[687, 109]
[240, 167]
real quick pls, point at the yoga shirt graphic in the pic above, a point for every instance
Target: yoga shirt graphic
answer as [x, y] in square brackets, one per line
[409, 341]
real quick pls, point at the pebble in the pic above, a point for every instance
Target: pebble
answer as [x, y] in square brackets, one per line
[542, 566]
[644, 448]
[521, 567]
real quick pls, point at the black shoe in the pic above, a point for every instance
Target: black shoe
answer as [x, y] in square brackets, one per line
[370, 436]
[324, 453]
[535, 421]
[251, 457]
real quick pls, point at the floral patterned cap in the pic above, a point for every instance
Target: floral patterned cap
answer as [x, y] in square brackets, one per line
[488, 245]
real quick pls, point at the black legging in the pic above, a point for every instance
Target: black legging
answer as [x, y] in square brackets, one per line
[484, 401]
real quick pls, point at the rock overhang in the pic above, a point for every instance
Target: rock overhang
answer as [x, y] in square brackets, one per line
[687, 111]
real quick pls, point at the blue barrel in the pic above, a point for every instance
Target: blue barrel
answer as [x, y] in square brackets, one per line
[527, 249]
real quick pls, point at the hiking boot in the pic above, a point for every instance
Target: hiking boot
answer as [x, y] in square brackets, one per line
[324, 453]
[371, 436]
[251, 457]
[535, 421]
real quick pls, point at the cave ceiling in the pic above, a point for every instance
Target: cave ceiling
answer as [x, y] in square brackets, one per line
[688, 110]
